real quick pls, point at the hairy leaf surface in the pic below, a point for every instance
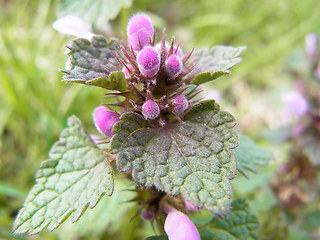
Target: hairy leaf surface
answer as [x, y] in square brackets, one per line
[93, 11]
[240, 224]
[250, 156]
[92, 62]
[215, 62]
[76, 176]
[192, 159]
[111, 213]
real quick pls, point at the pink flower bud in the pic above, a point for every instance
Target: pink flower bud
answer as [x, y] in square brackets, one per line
[148, 61]
[126, 72]
[311, 46]
[179, 227]
[191, 207]
[173, 65]
[140, 31]
[150, 109]
[180, 104]
[104, 120]
[147, 214]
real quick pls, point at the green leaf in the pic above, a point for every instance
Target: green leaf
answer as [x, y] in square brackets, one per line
[108, 214]
[250, 155]
[98, 12]
[193, 159]
[116, 81]
[239, 224]
[92, 62]
[76, 176]
[215, 62]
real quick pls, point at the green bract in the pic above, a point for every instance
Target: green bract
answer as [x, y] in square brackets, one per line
[192, 159]
[76, 176]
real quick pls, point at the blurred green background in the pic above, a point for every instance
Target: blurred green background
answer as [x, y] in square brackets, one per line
[34, 104]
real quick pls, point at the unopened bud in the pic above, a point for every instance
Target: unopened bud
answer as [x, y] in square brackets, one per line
[180, 104]
[104, 120]
[173, 65]
[191, 207]
[150, 109]
[147, 214]
[148, 61]
[140, 31]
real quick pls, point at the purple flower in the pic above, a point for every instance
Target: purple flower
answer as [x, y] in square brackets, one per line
[179, 227]
[180, 104]
[140, 31]
[104, 120]
[296, 105]
[150, 109]
[148, 61]
[173, 66]
[147, 214]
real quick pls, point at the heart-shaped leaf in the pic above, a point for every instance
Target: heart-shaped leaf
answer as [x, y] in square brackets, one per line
[193, 159]
[76, 176]
[93, 63]
[215, 62]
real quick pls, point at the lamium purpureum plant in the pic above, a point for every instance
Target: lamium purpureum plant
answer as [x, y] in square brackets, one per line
[175, 147]
[296, 184]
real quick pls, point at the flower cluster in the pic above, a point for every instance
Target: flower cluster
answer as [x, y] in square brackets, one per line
[156, 75]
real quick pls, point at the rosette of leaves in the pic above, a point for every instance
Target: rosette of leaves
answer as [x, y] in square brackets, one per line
[187, 155]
